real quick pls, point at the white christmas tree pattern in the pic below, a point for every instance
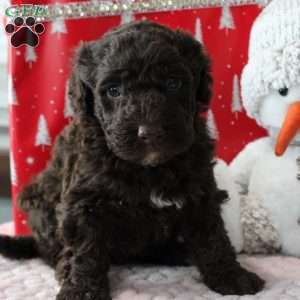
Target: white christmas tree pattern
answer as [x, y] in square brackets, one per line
[226, 21]
[30, 55]
[59, 26]
[13, 173]
[68, 111]
[127, 17]
[211, 125]
[236, 105]
[42, 136]
[198, 31]
[12, 96]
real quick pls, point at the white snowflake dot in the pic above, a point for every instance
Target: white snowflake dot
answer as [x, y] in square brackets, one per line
[30, 160]
[220, 97]
[24, 222]
[54, 88]
[52, 102]
[209, 27]
[222, 83]
[229, 66]
[18, 53]
[60, 71]
[55, 111]
[232, 123]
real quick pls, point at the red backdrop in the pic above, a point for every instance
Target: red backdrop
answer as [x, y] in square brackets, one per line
[39, 110]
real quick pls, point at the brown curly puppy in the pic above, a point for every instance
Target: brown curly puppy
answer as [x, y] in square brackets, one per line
[133, 173]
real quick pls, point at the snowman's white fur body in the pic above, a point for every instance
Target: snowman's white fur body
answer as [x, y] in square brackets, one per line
[270, 83]
[231, 208]
[273, 180]
[270, 179]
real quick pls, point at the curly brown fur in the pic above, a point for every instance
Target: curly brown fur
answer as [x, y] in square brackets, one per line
[110, 195]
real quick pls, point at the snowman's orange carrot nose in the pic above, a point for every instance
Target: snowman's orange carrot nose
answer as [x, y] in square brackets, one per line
[289, 129]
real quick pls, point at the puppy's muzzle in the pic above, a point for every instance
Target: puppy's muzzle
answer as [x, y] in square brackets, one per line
[150, 134]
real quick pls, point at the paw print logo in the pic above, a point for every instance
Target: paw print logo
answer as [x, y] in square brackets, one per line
[24, 31]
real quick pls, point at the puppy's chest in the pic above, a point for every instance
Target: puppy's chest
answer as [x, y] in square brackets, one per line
[153, 218]
[166, 211]
[162, 201]
[151, 199]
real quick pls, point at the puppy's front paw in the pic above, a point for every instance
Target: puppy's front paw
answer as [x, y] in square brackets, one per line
[236, 282]
[69, 292]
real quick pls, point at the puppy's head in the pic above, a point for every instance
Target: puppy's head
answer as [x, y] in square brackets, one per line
[145, 84]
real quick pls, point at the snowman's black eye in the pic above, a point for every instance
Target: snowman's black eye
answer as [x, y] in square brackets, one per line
[284, 92]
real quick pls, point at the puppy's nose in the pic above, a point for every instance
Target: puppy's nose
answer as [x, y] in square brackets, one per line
[149, 134]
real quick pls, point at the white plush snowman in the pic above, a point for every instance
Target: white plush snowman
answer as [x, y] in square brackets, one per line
[267, 171]
[232, 207]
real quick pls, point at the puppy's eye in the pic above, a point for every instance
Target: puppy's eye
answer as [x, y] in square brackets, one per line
[173, 84]
[114, 91]
[283, 92]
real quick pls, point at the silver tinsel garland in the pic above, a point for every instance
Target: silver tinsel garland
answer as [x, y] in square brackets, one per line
[96, 8]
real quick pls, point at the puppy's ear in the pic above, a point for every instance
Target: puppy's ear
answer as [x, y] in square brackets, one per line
[200, 65]
[82, 81]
